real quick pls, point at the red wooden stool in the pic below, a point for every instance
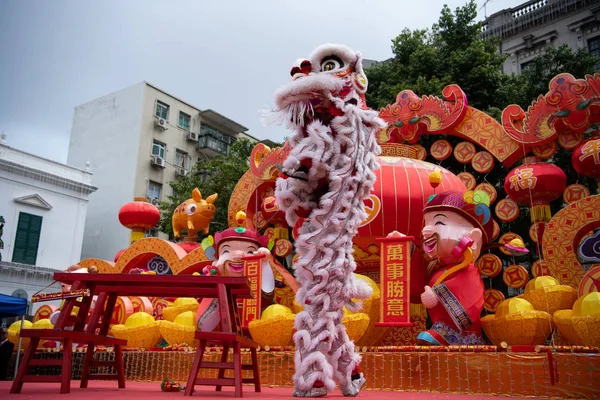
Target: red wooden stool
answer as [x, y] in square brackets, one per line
[68, 338]
[226, 341]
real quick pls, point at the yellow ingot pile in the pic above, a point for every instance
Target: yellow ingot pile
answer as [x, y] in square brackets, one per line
[581, 325]
[517, 323]
[15, 329]
[546, 294]
[140, 331]
[181, 331]
[179, 306]
[274, 328]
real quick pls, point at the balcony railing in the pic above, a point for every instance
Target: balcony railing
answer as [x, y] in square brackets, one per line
[211, 138]
[531, 14]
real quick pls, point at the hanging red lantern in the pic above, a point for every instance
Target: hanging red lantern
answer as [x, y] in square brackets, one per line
[139, 216]
[536, 184]
[586, 158]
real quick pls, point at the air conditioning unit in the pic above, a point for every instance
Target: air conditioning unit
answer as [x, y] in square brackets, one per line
[162, 123]
[158, 161]
[155, 201]
[192, 136]
[181, 172]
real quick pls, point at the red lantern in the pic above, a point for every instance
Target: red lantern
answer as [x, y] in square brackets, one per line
[586, 158]
[139, 215]
[536, 184]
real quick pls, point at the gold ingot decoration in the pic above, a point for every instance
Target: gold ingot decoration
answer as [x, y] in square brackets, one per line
[180, 331]
[517, 323]
[547, 294]
[43, 323]
[356, 325]
[274, 328]
[179, 306]
[14, 330]
[140, 331]
[581, 325]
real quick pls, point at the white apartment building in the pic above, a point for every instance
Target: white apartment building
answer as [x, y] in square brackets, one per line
[528, 29]
[137, 140]
[43, 206]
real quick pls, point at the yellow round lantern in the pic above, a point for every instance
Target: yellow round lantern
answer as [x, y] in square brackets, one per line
[516, 322]
[274, 328]
[547, 294]
[140, 330]
[581, 325]
[181, 331]
[179, 306]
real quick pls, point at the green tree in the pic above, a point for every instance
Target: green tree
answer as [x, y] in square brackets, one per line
[427, 60]
[217, 175]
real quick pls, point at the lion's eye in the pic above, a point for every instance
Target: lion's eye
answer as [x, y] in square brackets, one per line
[331, 64]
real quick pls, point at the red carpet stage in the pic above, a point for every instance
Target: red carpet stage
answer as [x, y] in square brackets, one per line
[100, 390]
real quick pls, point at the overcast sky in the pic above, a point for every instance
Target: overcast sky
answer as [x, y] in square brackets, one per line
[227, 55]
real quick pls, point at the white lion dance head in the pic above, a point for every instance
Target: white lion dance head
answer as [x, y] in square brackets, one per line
[327, 175]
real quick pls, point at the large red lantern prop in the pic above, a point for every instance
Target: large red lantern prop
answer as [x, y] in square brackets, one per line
[139, 216]
[586, 158]
[536, 184]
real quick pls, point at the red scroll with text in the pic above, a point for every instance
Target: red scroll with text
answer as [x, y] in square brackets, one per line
[253, 271]
[395, 281]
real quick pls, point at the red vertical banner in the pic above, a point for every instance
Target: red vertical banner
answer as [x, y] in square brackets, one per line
[395, 281]
[252, 271]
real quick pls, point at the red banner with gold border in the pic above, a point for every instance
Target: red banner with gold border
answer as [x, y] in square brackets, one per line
[395, 281]
[252, 271]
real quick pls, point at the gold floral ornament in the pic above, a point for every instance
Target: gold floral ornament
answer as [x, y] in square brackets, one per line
[274, 328]
[179, 306]
[140, 331]
[546, 294]
[581, 325]
[517, 323]
[180, 331]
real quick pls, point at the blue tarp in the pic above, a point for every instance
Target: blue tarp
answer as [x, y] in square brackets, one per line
[12, 306]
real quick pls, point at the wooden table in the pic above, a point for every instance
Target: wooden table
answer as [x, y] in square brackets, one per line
[108, 287]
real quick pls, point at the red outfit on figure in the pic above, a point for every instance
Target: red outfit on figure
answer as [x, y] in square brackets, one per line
[458, 321]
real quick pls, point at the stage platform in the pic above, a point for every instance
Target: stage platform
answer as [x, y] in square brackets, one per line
[566, 373]
[100, 390]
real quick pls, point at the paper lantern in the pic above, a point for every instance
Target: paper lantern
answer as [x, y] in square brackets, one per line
[586, 158]
[139, 216]
[536, 184]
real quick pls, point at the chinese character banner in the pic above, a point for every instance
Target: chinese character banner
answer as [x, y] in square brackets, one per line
[395, 281]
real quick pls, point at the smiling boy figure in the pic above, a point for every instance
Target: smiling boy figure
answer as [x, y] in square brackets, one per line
[232, 246]
[455, 303]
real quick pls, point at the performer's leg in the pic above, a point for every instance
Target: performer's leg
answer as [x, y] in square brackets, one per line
[346, 361]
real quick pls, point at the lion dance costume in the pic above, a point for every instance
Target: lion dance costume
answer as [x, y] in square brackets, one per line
[321, 188]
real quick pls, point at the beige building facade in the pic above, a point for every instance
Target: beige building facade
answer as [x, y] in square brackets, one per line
[136, 141]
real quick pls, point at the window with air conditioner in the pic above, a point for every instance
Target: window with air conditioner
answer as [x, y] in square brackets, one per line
[158, 149]
[154, 191]
[184, 120]
[181, 159]
[162, 110]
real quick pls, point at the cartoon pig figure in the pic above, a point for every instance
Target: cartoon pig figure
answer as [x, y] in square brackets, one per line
[194, 214]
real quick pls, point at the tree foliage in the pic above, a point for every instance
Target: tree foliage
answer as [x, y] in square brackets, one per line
[427, 60]
[217, 175]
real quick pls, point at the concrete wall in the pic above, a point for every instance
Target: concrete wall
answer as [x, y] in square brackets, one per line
[106, 133]
[175, 138]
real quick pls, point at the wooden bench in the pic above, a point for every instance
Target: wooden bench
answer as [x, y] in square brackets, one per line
[226, 341]
[68, 338]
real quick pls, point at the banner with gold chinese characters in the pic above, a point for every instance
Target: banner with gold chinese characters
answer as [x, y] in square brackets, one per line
[395, 281]
[253, 271]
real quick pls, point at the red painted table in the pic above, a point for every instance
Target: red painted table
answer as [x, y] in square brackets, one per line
[108, 287]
